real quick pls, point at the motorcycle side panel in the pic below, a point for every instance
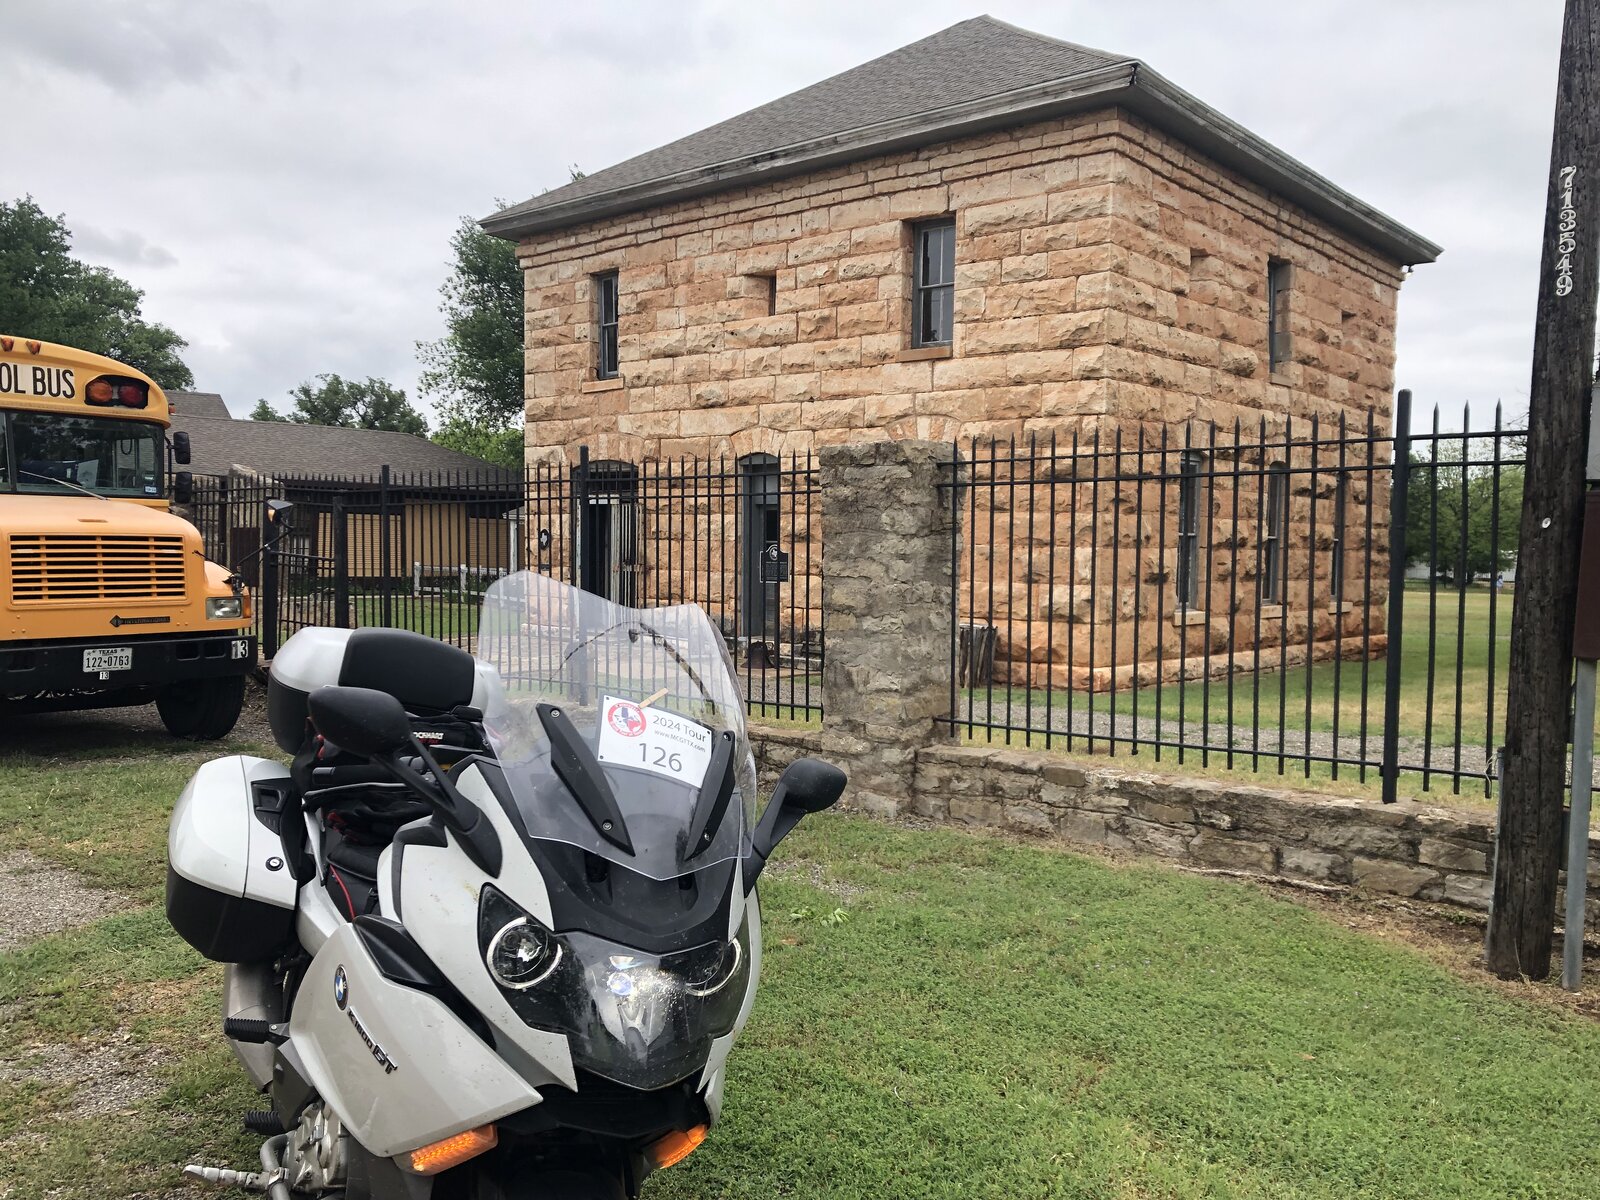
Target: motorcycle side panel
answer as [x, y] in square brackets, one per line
[230, 892]
[318, 918]
[399, 1068]
[438, 893]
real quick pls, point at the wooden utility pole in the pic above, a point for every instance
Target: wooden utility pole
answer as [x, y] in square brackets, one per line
[1538, 712]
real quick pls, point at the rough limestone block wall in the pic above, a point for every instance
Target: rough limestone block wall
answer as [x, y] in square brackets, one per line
[1404, 849]
[1098, 286]
[886, 580]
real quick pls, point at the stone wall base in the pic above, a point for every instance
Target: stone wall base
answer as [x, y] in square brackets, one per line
[1405, 849]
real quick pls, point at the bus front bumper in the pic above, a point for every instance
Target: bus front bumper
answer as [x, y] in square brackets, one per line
[114, 664]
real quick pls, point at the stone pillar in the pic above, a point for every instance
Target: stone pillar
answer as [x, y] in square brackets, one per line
[886, 585]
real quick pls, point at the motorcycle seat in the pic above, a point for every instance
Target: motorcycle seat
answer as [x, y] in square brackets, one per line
[427, 676]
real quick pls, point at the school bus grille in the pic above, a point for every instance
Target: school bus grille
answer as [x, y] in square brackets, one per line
[65, 568]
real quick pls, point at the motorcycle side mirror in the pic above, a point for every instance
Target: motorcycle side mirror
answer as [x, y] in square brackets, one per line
[363, 721]
[807, 786]
[180, 448]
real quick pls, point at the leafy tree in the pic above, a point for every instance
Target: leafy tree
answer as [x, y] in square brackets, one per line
[1439, 505]
[503, 447]
[476, 369]
[353, 404]
[46, 293]
[265, 412]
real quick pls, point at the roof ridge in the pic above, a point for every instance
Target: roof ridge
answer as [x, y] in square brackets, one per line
[1051, 40]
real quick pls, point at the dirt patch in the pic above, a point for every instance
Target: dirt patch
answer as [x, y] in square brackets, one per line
[100, 1078]
[813, 875]
[62, 739]
[38, 897]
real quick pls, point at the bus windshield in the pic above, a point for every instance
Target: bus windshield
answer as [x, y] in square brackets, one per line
[51, 453]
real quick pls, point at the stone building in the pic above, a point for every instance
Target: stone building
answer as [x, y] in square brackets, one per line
[986, 234]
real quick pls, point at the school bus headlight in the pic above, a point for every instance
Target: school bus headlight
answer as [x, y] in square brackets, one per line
[224, 608]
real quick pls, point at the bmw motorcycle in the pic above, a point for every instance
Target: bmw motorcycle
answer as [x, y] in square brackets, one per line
[495, 930]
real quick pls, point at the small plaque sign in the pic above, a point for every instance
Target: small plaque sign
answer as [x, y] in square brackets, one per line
[774, 564]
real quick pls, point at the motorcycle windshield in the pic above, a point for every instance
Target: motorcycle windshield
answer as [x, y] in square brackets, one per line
[620, 730]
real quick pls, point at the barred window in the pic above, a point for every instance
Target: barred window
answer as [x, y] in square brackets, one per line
[1336, 543]
[934, 284]
[1190, 467]
[1277, 314]
[1274, 546]
[605, 291]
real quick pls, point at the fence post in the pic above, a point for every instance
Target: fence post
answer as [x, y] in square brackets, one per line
[385, 566]
[341, 565]
[1399, 486]
[580, 502]
[269, 586]
[887, 578]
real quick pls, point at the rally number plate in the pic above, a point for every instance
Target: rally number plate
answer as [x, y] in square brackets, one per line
[649, 739]
[108, 658]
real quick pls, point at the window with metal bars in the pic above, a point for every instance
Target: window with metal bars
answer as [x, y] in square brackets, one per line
[1191, 465]
[605, 293]
[1336, 543]
[933, 283]
[1273, 545]
[1277, 314]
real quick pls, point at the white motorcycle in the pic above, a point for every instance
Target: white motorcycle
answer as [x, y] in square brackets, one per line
[494, 932]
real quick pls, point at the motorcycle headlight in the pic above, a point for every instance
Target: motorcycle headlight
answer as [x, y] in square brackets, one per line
[642, 1020]
[522, 954]
[224, 608]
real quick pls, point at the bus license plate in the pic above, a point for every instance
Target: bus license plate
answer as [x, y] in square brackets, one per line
[110, 658]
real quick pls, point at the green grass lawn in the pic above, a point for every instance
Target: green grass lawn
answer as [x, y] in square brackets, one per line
[436, 616]
[986, 1018]
[1333, 689]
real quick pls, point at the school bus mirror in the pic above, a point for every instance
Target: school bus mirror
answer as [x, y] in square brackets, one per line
[180, 448]
[182, 488]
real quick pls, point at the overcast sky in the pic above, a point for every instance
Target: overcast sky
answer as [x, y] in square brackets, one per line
[282, 179]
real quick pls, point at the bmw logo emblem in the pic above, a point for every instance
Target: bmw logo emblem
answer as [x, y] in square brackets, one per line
[341, 988]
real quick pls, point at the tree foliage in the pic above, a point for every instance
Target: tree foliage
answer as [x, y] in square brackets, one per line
[1449, 497]
[348, 403]
[475, 370]
[503, 447]
[46, 293]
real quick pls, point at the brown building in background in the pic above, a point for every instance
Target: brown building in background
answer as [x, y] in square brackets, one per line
[988, 234]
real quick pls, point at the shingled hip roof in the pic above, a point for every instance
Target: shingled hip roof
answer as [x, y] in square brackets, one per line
[280, 448]
[976, 75]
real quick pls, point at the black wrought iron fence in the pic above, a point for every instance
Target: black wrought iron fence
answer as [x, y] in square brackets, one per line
[740, 538]
[1285, 596]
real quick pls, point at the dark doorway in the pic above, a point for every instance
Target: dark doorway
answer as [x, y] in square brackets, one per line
[608, 524]
[759, 523]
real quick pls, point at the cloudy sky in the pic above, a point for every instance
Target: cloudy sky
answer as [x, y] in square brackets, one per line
[282, 179]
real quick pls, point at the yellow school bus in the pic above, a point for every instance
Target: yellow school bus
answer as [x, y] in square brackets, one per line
[106, 597]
